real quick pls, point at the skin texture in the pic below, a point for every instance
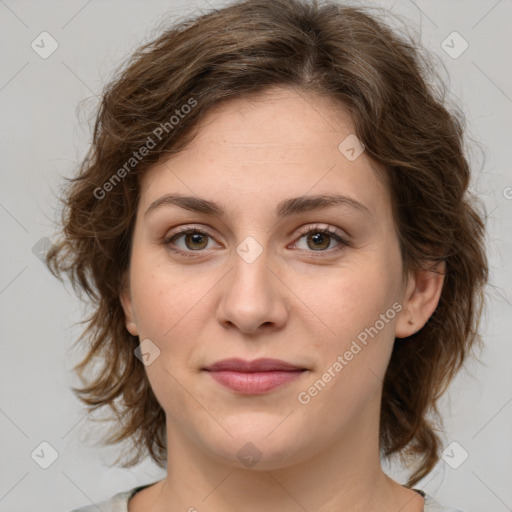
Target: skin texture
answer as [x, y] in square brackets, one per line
[293, 302]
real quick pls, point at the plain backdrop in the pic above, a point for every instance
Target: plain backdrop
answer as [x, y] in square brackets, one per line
[45, 107]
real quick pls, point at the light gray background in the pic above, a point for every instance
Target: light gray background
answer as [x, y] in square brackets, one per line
[43, 137]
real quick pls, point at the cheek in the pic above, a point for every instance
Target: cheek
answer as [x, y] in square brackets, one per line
[153, 303]
[352, 300]
[359, 305]
[166, 308]
[170, 306]
[352, 361]
[159, 295]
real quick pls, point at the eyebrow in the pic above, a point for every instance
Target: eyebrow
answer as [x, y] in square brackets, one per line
[285, 208]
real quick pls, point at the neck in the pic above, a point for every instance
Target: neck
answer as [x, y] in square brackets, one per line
[346, 475]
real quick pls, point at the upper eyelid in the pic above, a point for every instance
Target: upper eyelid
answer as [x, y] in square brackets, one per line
[307, 227]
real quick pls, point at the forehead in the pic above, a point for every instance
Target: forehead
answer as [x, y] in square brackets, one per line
[274, 145]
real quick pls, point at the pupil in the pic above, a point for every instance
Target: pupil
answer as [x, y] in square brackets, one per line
[196, 238]
[318, 238]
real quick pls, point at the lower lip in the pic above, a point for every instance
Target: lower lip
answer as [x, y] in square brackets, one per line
[252, 383]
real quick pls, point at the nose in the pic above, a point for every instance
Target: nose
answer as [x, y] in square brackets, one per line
[253, 297]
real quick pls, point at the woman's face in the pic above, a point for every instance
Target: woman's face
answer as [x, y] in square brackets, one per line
[253, 283]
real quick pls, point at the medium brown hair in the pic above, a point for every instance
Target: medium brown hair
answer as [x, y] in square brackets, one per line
[337, 51]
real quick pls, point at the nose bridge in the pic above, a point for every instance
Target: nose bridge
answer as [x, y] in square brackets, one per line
[250, 262]
[250, 280]
[251, 296]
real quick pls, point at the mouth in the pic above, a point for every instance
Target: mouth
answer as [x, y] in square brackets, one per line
[253, 377]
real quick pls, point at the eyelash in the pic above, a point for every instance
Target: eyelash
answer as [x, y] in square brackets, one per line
[304, 231]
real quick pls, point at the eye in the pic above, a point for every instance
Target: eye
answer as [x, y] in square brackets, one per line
[193, 238]
[319, 239]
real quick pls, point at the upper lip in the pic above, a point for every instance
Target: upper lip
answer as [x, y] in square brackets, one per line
[258, 365]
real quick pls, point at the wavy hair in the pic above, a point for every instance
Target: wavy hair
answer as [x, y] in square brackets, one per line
[405, 123]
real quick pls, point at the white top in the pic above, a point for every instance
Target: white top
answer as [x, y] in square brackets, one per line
[119, 502]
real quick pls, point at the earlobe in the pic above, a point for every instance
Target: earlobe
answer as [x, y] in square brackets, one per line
[126, 303]
[420, 300]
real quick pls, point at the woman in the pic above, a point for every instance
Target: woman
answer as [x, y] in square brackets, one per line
[287, 272]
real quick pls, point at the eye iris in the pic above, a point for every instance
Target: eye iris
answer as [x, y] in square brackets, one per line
[319, 237]
[196, 239]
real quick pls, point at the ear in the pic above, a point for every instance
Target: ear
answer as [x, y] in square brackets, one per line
[126, 303]
[420, 300]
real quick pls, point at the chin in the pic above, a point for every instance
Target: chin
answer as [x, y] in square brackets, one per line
[255, 449]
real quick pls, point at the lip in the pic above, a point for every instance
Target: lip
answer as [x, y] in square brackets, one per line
[253, 377]
[258, 365]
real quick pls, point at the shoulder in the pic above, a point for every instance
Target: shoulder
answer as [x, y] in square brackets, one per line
[118, 503]
[431, 505]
